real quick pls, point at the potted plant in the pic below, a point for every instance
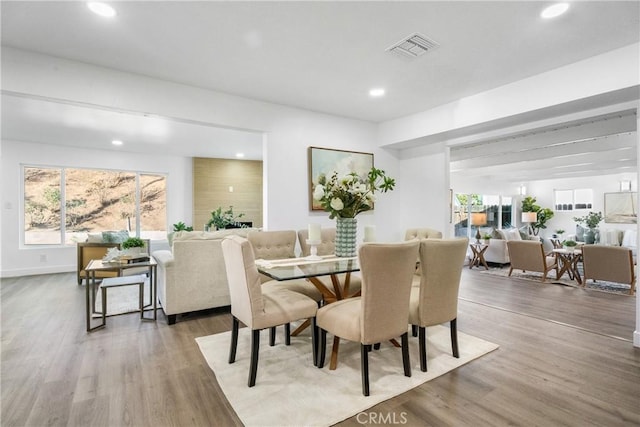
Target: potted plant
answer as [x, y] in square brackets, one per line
[569, 244]
[542, 217]
[559, 233]
[486, 238]
[133, 245]
[181, 226]
[591, 220]
[224, 219]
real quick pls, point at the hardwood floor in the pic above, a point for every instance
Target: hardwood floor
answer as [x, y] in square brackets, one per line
[565, 358]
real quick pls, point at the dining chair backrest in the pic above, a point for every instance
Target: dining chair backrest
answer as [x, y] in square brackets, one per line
[422, 233]
[327, 244]
[386, 271]
[243, 277]
[441, 264]
[273, 244]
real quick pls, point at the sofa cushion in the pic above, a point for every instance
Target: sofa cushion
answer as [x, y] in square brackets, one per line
[211, 235]
[510, 234]
[115, 236]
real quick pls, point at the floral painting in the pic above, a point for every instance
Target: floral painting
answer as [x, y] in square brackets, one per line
[325, 161]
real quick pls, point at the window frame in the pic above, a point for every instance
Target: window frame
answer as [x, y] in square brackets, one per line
[63, 209]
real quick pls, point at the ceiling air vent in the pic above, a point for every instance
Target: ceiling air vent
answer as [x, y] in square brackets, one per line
[413, 46]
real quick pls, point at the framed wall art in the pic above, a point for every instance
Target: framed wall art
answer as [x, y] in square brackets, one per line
[324, 161]
[621, 208]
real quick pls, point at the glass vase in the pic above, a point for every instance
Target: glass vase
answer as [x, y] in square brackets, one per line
[346, 232]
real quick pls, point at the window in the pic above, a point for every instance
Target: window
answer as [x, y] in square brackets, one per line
[93, 200]
[568, 200]
[495, 213]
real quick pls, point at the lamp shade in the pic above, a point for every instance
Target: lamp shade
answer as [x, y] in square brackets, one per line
[529, 216]
[478, 218]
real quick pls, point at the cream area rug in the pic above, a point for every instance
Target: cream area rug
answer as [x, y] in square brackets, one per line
[290, 391]
[123, 300]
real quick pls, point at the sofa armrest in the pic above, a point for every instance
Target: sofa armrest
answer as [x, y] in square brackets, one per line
[163, 257]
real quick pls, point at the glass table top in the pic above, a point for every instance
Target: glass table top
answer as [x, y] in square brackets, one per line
[300, 268]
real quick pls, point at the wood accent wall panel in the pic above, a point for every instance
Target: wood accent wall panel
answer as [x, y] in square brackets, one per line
[211, 181]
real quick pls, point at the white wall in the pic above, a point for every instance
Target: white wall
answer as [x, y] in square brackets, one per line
[288, 134]
[17, 259]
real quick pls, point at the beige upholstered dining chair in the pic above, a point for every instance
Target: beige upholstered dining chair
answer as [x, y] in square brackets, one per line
[280, 244]
[328, 247]
[609, 263]
[528, 255]
[435, 301]
[381, 313]
[422, 233]
[256, 308]
[419, 234]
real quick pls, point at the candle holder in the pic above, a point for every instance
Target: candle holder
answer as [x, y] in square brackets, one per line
[313, 250]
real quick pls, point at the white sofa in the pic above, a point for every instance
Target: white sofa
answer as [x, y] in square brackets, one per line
[497, 251]
[192, 276]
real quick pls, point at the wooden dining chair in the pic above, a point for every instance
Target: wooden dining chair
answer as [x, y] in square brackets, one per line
[256, 308]
[609, 263]
[528, 255]
[382, 312]
[435, 301]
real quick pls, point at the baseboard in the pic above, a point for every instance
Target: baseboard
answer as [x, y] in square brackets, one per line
[37, 271]
[636, 339]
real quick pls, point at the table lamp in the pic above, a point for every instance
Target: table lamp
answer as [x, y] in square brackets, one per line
[529, 218]
[478, 219]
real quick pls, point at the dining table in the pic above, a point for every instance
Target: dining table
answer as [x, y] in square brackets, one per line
[312, 268]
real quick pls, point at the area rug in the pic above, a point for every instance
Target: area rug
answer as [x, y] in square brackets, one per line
[602, 286]
[123, 300]
[290, 391]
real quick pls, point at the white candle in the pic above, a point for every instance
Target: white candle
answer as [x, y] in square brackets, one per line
[314, 232]
[369, 233]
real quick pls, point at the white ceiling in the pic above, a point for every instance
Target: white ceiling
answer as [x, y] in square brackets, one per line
[321, 56]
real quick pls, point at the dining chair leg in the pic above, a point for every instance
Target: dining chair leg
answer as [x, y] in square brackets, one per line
[333, 363]
[314, 341]
[414, 330]
[272, 336]
[323, 347]
[234, 339]
[287, 333]
[453, 325]
[255, 347]
[406, 362]
[364, 367]
[422, 344]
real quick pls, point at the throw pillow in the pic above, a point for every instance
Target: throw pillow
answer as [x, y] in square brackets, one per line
[94, 238]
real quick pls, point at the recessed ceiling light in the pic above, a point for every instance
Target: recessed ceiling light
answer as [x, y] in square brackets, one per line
[116, 142]
[240, 155]
[554, 10]
[101, 9]
[376, 92]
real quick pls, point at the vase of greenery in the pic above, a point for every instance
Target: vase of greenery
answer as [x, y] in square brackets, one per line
[345, 197]
[569, 244]
[224, 219]
[133, 246]
[591, 221]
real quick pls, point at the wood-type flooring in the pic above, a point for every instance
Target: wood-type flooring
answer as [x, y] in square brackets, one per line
[565, 358]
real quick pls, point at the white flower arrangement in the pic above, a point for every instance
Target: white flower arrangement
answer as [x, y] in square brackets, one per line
[346, 197]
